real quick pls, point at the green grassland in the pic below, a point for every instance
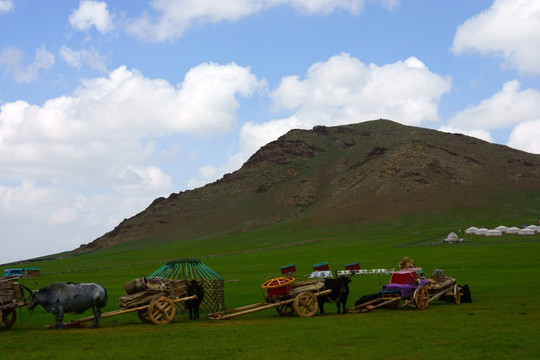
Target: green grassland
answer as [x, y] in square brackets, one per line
[502, 322]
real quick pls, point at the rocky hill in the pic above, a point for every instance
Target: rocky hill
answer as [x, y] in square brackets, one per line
[365, 172]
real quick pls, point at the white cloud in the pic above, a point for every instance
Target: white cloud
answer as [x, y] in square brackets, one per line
[526, 136]
[11, 60]
[41, 219]
[320, 6]
[76, 59]
[92, 13]
[6, 6]
[506, 108]
[144, 181]
[477, 133]
[173, 17]
[344, 90]
[509, 108]
[509, 28]
[77, 134]
[205, 175]
[88, 158]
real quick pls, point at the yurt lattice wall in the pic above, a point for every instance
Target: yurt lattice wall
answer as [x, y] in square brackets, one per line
[189, 269]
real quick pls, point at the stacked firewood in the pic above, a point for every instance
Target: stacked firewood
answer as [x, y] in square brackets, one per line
[143, 290]
[10, 291]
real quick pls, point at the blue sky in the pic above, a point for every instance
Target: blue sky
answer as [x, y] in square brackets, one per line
[105, 106]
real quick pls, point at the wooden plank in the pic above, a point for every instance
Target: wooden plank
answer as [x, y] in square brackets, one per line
[217, 316]
[441, 292]
[381, 301]
[186, 298]
[321, 293]
[241, 308]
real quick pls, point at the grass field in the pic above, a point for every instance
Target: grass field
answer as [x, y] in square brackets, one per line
[502, 322]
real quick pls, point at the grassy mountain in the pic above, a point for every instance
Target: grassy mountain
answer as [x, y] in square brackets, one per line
[362, 173]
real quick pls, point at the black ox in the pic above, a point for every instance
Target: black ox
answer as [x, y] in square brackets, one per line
[194, 288]
[339, 294]
[61, 297]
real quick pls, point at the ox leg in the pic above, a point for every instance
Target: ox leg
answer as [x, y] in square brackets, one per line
[196, 315]
[59, 316]
[341, 307]
[321, 305]
[344, 306]
[97, 315]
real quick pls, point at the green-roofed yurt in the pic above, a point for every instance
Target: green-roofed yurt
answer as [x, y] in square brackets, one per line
[190, 269]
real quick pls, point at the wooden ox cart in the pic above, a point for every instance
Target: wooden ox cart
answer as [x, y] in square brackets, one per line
[155, 300]
[285, 295]
[411, 287]
[11, 298]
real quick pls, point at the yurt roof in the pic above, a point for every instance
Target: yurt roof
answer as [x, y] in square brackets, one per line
[501, 228]
[186, 269]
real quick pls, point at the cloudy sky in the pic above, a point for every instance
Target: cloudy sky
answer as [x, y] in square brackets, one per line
[107, 105]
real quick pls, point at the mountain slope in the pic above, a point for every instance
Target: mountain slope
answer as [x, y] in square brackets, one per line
[365, 172]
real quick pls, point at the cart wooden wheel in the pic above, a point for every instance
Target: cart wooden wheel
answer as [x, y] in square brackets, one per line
[285, 309]
[457, 294]
[421, 298]
[305, 304]
[161, 310]
[143, 315]
[7, 319]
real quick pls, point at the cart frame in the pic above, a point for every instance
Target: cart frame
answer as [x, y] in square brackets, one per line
[305, 304]
[159, 311]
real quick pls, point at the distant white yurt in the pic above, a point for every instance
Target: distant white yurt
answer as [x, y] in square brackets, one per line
[452, 237]
[526, 232]
[512, 230]
[481, 231]
[494, 232]
[471, 230]
[501, 228]
[533, 228]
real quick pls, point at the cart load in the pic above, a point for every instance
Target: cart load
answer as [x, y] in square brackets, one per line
[445, 288]
[143, 290]
[11, 297]
[155, 299]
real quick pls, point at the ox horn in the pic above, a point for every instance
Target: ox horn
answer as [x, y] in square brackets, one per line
[26, 288]
[38, 284]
